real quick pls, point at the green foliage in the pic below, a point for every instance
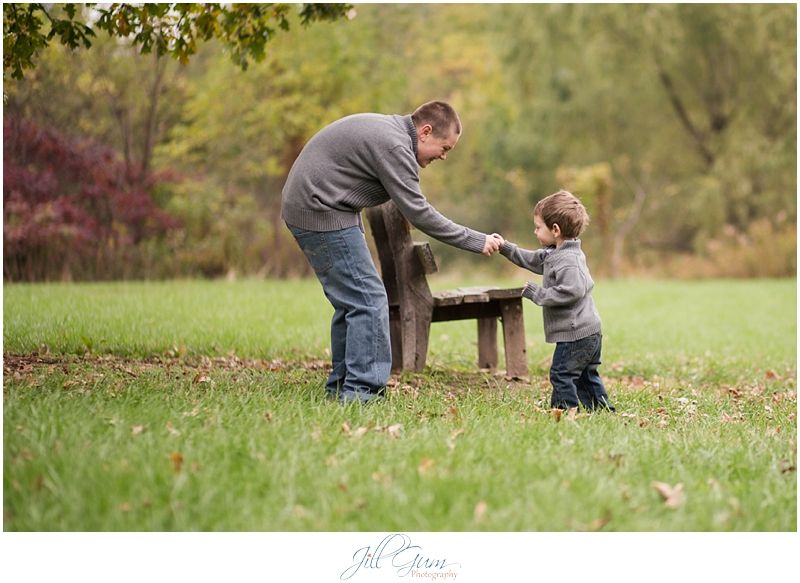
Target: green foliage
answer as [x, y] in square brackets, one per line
[164, 28]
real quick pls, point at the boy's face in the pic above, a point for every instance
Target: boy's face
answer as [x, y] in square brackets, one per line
[545, 235]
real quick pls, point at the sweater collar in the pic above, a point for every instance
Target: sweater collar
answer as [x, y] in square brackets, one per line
[412, 132]
[571, 245]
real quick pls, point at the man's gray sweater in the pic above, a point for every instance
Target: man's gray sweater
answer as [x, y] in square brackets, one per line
[566, 291]
[362, 161]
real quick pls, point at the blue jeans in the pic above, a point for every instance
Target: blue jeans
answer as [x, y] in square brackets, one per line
[574, 375]
[360, 348]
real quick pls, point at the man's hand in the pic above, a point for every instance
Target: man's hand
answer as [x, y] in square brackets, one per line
[499, 237]
[491, 246]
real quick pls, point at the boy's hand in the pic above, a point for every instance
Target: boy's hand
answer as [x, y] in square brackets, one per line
[499, 238]
[530, 290]
[491, 245]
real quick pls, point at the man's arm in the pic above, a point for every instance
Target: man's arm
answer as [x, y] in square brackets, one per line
[399, 176]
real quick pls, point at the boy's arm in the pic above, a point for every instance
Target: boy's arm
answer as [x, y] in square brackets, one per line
[570, 286]
[525, 258]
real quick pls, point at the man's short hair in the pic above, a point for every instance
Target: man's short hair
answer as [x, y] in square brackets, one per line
[566, 210]
[440, 115]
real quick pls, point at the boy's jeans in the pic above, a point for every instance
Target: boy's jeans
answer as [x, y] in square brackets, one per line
[574, 375]
[360, 347]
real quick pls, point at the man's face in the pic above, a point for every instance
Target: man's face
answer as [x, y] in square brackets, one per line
[430, 147]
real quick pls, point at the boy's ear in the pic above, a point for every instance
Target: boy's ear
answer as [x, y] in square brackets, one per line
[555, 229]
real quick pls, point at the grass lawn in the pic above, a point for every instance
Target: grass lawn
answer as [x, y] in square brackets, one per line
[198, 406]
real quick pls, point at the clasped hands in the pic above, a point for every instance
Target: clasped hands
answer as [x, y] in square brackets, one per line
[493, 244]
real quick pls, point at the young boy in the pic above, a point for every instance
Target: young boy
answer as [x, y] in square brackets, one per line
[570, 318]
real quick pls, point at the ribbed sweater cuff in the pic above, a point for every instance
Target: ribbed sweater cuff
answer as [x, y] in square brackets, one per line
[475, 241]
[507, 249]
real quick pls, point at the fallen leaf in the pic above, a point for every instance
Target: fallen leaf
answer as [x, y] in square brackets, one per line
[346, 428]
[201, 378]
[137, 429]
[382, 478]
[556, 414]
[316, 434]
[171, 429]
[771, 374]
[480, 510]
[735, 393]
[359, 432]
[268, 416]
[673, 496]
[425, 466]
[451, 441]
[177, 460]
[457, 432]
[124, 507]
[394, 430]
[599, 523]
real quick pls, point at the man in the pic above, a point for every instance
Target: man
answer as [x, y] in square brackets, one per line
[356, 162]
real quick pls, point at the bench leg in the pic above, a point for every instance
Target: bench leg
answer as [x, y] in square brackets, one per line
[422, 333]
[487, 343]
[396, 335]
[514, 338]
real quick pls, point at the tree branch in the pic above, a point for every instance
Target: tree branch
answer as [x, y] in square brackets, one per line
[683, 115]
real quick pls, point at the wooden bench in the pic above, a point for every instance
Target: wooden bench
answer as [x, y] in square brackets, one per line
[412, 306]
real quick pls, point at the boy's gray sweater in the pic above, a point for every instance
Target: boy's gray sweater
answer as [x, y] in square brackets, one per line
[566, 291]
[361, 161]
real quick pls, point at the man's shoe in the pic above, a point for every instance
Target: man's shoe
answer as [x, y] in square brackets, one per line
[348, 396]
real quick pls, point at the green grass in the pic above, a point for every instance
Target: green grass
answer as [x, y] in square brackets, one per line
[163, 406]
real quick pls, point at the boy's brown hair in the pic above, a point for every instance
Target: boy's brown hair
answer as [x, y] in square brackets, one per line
[566, 210]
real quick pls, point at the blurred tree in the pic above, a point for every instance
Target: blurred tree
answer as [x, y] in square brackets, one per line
[691, 108]
[246, 130]
[683, 101]
[110, 94]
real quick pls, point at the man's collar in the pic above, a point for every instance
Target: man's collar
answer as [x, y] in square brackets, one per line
[412, 131]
